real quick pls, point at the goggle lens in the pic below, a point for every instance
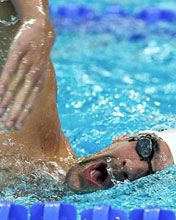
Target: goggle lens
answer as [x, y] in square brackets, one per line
[145, 148]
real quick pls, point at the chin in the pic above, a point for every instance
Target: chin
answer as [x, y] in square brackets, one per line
[89, 176]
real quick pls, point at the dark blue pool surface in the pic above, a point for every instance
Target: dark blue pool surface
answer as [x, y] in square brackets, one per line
[115, 75]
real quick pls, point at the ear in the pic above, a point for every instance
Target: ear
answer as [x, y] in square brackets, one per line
[120, 138]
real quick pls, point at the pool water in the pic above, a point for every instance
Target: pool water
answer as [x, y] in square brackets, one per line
[127, 4]
[112, 82]
[115, 75]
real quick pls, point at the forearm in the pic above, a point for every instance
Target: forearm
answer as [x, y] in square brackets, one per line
[32, 9]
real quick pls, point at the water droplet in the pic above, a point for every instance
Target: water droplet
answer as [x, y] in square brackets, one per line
[108, 160]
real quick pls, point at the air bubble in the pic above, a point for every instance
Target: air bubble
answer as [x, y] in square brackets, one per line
[113, 178]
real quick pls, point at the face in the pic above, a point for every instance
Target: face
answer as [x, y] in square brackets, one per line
[118, 162]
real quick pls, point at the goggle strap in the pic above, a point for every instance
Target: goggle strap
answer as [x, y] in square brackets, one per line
[150, 166]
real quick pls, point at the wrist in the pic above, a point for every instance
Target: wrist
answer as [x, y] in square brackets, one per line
[37, 22]
[36, 18]
[40, 26]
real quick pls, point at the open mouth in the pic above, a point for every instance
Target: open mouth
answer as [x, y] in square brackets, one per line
[97, 175]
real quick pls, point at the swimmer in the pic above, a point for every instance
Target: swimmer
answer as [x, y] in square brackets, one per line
[36, 140]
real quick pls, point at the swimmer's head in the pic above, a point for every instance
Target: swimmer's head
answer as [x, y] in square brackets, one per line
[116, 163]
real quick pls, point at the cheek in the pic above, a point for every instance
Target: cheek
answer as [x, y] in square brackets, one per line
[135, 165]
[161, 162]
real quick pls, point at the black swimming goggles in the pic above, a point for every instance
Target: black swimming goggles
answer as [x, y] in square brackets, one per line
[145, 147]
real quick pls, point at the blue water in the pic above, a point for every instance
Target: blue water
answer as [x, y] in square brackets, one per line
[109, 86]
[115, 80]
[115, 75]
[133, 4]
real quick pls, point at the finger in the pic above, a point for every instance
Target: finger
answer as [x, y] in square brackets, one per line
[19, 102]
[28, 107]
[13, 86]
[9, 69]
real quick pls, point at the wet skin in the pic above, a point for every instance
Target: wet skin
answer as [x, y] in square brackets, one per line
[25, 57]
[40, 142]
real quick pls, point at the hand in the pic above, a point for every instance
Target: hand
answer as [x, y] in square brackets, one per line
[25, 71]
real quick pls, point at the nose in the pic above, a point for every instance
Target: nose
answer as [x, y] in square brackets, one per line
[134, 169]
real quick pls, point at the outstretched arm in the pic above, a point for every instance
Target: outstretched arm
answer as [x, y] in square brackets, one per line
[26, 67]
